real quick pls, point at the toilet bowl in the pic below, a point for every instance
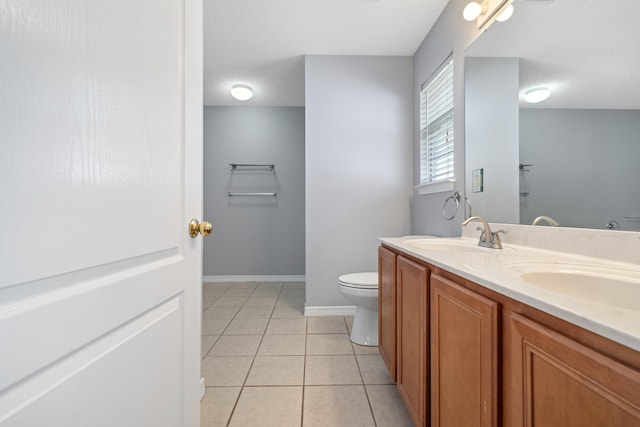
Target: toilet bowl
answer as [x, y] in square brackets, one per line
[362, 290]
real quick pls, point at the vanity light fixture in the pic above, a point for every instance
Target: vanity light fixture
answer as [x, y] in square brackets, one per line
[536, 94]
[241, 92]
[473, 10]
[508, 12]
[483, 11]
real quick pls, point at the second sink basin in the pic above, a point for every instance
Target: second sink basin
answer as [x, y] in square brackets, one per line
[602, 285]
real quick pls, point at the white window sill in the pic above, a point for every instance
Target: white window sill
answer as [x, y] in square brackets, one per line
[436, 187]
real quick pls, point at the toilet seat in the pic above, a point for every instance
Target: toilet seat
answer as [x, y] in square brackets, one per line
[359, 280]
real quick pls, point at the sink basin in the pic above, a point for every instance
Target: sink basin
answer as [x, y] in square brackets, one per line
[602, 285]
[444, 244]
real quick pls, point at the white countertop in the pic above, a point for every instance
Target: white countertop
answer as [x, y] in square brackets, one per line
[494, 269]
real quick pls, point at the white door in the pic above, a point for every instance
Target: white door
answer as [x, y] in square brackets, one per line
[100, 172]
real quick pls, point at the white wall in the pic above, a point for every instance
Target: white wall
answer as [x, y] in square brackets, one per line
[491, 136]
[450, 34]
[358, 165]
[254, 236]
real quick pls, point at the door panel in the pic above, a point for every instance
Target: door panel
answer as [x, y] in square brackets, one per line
[464, 356]
[123, 399]
[561, 383]
[387, 309]
[100, 173]
[412, 338]
[90, 128]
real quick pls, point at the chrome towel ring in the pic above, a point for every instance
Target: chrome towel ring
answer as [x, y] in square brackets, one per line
[456, 198]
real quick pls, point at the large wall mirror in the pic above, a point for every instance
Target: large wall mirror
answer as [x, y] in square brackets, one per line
[574, 157]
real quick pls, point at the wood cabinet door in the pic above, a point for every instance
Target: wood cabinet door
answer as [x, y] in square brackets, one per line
[561, 383]
[464, 356]
[412, 310]
[387, 308]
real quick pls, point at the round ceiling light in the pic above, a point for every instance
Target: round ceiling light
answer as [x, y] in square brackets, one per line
[241, 92]
[537, 94]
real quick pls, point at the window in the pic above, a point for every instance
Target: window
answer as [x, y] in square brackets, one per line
[436, 127]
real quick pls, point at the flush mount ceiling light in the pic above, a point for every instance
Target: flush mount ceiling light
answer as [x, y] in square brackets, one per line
[241, 92]
[536, 94]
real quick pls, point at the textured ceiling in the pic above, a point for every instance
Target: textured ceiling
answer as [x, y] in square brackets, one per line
[263, 42]
[586, 51]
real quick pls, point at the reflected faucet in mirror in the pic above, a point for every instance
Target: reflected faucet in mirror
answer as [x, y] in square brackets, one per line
[552, 222]
[488, 239]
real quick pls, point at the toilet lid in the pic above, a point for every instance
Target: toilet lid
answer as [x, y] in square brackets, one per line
[359, 280]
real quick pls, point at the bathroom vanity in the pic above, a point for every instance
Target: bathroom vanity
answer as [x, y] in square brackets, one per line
[512, 337]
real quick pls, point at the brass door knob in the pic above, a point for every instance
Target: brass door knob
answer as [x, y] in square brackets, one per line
[196, 227]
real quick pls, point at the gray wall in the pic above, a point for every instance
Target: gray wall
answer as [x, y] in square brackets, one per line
[358, 165]
[585, 166]
[491, 138]
[254, 236]
[450, 34]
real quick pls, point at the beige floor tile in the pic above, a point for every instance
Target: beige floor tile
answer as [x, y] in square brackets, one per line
[326, 325]
[220, 312]
[328, 344]
[282, 345]
[225, 371]
[236, 345]
[268, 289]
[214, 326]
[268, 407]
[285, 312]
[293, 289]
[287, 326]
[207, 301]
[274, 286]
[246, 327]
[207, 342]
[254, 313]
[229, 302]
[272, 293]
[257, 301]
[220, 288]
[373, 369]
[336, 406]
[349, 321]
[245, 285]
[217, 405]
[331, 370]
[293, 302]
[365, 349]
[238, 292]
[276, 370]
[387, 406]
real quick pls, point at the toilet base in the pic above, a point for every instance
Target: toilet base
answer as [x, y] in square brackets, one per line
[364, 330]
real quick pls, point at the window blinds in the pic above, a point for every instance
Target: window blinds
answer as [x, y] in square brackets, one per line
[436, 126]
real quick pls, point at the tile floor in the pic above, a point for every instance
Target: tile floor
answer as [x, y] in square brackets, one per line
[265, 364]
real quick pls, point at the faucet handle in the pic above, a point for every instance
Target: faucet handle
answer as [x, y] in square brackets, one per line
[495, 238]
[482, 235]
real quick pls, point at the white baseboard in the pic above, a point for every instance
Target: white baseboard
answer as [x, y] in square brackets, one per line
[218, 279]
[340, 310]
[203, 389]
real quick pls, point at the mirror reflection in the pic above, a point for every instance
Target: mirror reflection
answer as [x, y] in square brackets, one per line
[573, 156]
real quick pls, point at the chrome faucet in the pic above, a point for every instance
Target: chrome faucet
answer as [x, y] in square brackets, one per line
[488, 239]
[552, 222]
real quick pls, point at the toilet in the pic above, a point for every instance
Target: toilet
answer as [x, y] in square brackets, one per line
[362, 290]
